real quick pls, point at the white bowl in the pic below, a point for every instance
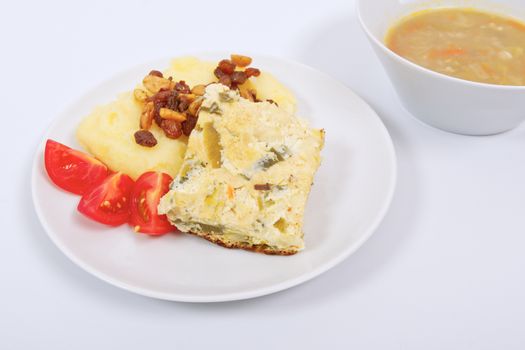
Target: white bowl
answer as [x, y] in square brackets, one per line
[448, 103]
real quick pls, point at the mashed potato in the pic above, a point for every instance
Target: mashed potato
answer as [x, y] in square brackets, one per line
[107, 133]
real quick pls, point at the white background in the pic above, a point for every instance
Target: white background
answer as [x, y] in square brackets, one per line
[446, 269]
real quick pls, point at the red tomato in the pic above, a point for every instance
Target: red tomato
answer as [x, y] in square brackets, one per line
[108, 203]
[72, 170]
[148, 190]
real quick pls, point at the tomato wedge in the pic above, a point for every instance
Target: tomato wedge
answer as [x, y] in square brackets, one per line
[108, 203]
[148, 190]
[72, 170]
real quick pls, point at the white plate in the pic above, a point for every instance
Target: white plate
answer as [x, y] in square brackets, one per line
[352, 191]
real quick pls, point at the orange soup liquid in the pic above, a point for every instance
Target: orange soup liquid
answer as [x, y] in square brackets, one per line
[463, 43]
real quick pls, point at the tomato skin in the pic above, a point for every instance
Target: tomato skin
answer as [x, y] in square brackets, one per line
[108, 203]
[72, 170]
[148, 190]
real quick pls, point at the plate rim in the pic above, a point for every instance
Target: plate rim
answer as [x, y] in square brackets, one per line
[233, 296]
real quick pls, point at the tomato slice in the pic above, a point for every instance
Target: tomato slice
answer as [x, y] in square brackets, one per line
[148, 190]
[72, 170]
[108, 203]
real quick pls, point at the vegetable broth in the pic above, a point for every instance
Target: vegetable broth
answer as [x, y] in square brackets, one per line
[463, 43]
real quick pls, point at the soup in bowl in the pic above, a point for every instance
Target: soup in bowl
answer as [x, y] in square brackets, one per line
[456, 65]
[463, 42]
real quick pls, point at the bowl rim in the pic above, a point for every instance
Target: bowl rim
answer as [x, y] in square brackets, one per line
[422, 69]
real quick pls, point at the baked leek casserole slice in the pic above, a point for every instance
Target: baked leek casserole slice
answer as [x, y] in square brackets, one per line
[246, 175]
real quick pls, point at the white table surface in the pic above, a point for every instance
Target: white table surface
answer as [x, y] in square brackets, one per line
[446, 269]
